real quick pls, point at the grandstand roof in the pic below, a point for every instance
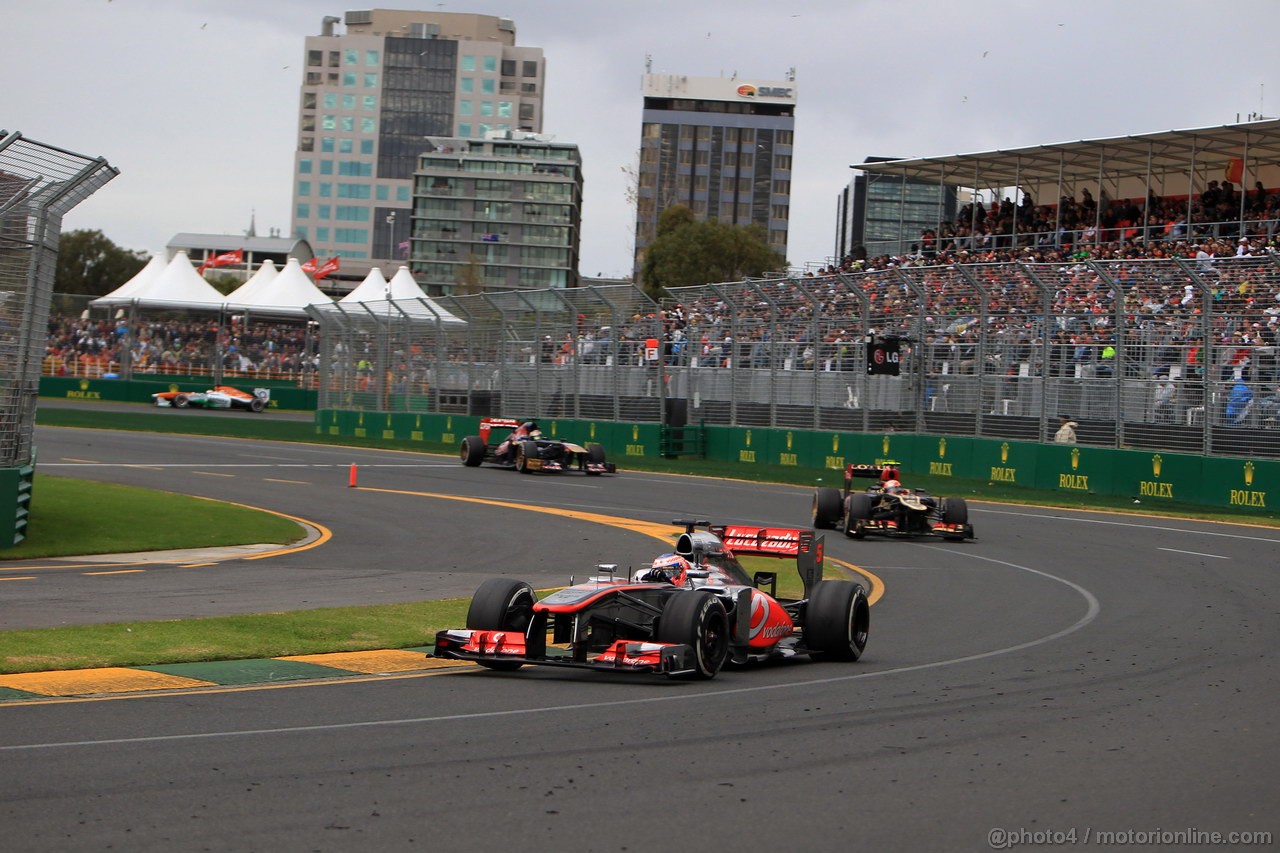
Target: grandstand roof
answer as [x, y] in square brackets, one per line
[1161, 153]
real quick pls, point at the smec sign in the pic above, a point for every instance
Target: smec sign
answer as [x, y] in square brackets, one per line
[749, 91]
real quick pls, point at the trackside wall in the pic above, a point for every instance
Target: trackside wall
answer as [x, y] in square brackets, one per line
[1245, 485]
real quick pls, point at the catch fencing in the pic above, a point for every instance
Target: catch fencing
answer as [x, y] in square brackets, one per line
[1165, 354]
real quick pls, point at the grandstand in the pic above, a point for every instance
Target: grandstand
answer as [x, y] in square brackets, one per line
[1152, 329]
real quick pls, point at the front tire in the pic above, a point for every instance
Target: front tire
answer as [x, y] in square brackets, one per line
[826, 508]
[837, 621]
[859, 510]
[524, 451]
[595, 456]
[955, 511]
[697, 619]
[471, 452]
[501, 604]
[181, 401]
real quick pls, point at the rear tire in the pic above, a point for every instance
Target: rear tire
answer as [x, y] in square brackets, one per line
[472, 451]
[826, 508]
[595, 456]
[256, 404]
[501, 604]
[837, 621]
[697, 619]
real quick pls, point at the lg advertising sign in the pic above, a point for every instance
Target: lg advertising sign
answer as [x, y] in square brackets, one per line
[883, 358]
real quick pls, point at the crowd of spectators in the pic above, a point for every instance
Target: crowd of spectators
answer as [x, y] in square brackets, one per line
[83, 346]
[1155, 301]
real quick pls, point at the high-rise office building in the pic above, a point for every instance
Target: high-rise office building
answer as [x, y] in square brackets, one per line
[370, 100]
[497, 214]
[720, 146]
[887, 215]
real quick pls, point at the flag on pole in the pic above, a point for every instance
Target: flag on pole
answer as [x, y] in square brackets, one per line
[222, 260]
[310, 266]
[329, 266]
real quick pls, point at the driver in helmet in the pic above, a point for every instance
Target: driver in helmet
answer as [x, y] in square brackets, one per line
[669, 568]
[886, 508]
[526, 430]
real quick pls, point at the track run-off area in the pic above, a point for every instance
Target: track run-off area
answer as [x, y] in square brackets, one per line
[1065, 671]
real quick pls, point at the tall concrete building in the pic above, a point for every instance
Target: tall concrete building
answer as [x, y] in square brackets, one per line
[371, 98]
[720, 146]
[502, 213]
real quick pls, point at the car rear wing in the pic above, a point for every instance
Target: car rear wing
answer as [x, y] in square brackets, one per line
[487, 424]
[802, 544]
[883, 472]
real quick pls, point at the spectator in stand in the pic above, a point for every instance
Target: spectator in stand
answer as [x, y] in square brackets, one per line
[1239, 403]
[1166, 397]
[1066, 433]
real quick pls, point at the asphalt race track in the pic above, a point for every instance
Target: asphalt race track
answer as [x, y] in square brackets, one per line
[1070, 673]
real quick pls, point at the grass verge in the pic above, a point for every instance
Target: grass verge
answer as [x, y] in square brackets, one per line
[262, 635]
[73, 517]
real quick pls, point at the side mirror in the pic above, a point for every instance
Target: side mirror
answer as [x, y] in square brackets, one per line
[763, 579]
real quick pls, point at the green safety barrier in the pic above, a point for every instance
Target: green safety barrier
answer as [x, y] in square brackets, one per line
[139, 390]
[1250, 485]
[16, 485]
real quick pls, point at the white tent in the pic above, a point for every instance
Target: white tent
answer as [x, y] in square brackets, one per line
[259, 281]
[407, 299]
[373, 287]
[178, 286]
[286, 295]
[121, 294]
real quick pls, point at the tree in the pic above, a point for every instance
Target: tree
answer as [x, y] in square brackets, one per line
[468, 278]
[89, 263]
[691, 252]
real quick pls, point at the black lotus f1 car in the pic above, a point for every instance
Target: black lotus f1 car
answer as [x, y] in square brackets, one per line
[686, 624]
[526, 449]
[886, 508]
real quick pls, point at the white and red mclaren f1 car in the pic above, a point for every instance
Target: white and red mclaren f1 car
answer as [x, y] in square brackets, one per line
[220, 397]
[685, 616]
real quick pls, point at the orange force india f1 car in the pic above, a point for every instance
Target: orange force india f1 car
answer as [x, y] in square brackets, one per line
[684, 617]
[221, 397]
[525, 448]
[886, 508]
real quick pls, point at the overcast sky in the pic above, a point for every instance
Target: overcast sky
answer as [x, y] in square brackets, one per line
[195, 101]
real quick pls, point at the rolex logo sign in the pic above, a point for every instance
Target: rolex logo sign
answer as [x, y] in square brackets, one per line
[1156, 462]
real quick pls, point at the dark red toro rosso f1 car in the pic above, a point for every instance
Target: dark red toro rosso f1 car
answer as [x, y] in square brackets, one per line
[523, 446]
[887, 508]
[684, 617]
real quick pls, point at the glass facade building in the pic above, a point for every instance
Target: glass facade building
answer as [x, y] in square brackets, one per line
[496, 214]
[370, 99]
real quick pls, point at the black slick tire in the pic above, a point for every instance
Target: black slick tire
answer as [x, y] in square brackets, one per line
[837, 621]
[501, 604]
[697, 619]
[858, 510]
[826, 508]
[471, 451]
